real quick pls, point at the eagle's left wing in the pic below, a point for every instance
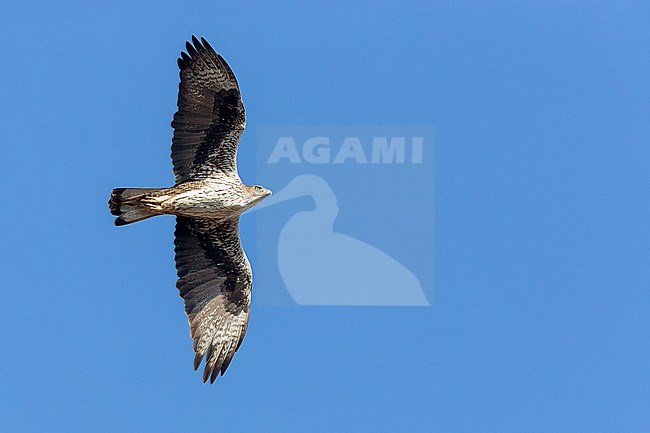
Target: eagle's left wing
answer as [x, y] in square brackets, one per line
[215, 281]
[210, 118]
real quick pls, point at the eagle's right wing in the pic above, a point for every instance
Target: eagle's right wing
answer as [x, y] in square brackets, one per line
[210, 118]
[214, 279]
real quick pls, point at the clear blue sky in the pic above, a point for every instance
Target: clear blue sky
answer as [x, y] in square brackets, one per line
[541, 313]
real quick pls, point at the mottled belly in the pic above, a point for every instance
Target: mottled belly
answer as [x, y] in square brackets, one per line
[202, 203]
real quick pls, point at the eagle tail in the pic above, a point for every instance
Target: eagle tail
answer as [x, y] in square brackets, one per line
[125, 203]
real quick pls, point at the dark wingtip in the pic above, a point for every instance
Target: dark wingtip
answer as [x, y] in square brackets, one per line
[190, 49]
[225, 365]
[197, 360]
[120, 222]
[206, 44]
[213, 376]
[206, 374]
[196, 42]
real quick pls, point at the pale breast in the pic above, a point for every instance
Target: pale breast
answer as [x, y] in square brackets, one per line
[209, 199]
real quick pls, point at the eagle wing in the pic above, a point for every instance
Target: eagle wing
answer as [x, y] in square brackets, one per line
[210, 118]
[215, 280]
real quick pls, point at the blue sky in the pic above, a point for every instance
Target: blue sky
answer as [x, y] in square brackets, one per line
[540, 318]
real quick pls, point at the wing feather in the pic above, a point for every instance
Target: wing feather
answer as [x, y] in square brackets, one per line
[215, 282]
[210, 118]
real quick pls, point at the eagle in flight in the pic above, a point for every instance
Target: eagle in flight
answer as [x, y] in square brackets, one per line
[214, 274]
